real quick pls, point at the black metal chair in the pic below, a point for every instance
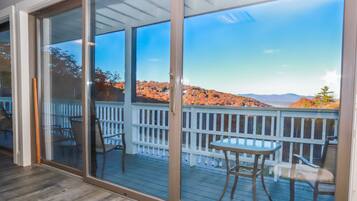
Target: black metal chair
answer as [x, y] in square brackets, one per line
[5, 121]
[101, 146]
[321, 177]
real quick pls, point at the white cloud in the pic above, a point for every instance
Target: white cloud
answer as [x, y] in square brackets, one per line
[271, 51]
[154, 60]
[331, 78]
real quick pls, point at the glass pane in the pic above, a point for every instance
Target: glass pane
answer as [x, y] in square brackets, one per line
[6, 135]
[262, 83]
[61, 74]
[129, 140]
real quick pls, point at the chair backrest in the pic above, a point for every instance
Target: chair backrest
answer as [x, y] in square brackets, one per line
[329, 154]
[5, 120]
[99, 139]
[76, 127]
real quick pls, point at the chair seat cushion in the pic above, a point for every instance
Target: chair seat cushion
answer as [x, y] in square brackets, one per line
[309, 174]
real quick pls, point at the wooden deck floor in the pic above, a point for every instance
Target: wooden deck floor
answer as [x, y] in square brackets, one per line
[150, 176]
[198, 184]
[46, 184]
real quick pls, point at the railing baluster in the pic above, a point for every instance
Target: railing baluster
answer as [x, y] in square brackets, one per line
[153, 130]
[323, 129]
[237, 123]
[292, 127]
[229, 123]
[335, 128]
[302, 127]
[313, 121]
[254, 125]
[263, 125]
[245, 124]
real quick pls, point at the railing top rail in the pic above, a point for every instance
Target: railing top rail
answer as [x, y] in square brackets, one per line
[5, 98]
[64, 101]
[317, 110]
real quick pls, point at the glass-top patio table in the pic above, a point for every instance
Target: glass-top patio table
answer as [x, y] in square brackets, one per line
[256, 147]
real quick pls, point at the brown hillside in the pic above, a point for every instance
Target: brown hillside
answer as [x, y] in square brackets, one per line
[158, 92]
[314, 103]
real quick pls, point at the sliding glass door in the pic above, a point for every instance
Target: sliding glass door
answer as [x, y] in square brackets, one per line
[6, 131]
[129, 94]
[61, 77]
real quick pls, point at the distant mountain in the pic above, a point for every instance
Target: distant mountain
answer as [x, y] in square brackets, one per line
[158, 92]
[277, 100]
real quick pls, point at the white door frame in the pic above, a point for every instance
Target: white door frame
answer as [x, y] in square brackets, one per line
[8, 15]
[24, 85]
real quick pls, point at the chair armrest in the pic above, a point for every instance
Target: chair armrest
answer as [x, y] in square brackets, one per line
[115, 135]
[305, 161]
[56, 127]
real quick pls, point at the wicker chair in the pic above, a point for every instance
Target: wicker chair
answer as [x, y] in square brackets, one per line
[101, 146]
[320, 177]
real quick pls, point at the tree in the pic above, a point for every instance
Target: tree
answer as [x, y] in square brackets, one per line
[325, 95]
[65, 70]
[105, 79]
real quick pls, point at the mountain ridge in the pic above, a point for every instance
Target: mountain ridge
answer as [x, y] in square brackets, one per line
[277, 100]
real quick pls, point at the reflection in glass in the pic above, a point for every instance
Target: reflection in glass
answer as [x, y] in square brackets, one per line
[61, 74]
[6, 133]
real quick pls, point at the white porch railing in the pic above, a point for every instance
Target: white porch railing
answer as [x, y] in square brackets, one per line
[301, 131]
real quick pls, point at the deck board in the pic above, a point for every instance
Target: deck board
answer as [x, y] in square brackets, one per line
[150, 176]
[46, 184]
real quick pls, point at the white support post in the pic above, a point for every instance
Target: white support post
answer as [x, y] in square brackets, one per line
[24, 89]
[130, 88]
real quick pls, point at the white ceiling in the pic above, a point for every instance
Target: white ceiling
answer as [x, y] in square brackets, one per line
[114, 15]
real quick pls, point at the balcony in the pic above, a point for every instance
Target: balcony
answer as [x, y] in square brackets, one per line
[300, 131]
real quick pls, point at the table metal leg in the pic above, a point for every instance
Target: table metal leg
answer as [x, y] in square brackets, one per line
[235, 177]
[263, 182]
[292, 189]
[254, 177]
[292, 182]
[227, 176]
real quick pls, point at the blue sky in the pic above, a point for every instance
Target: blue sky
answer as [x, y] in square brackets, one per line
[285, 46]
